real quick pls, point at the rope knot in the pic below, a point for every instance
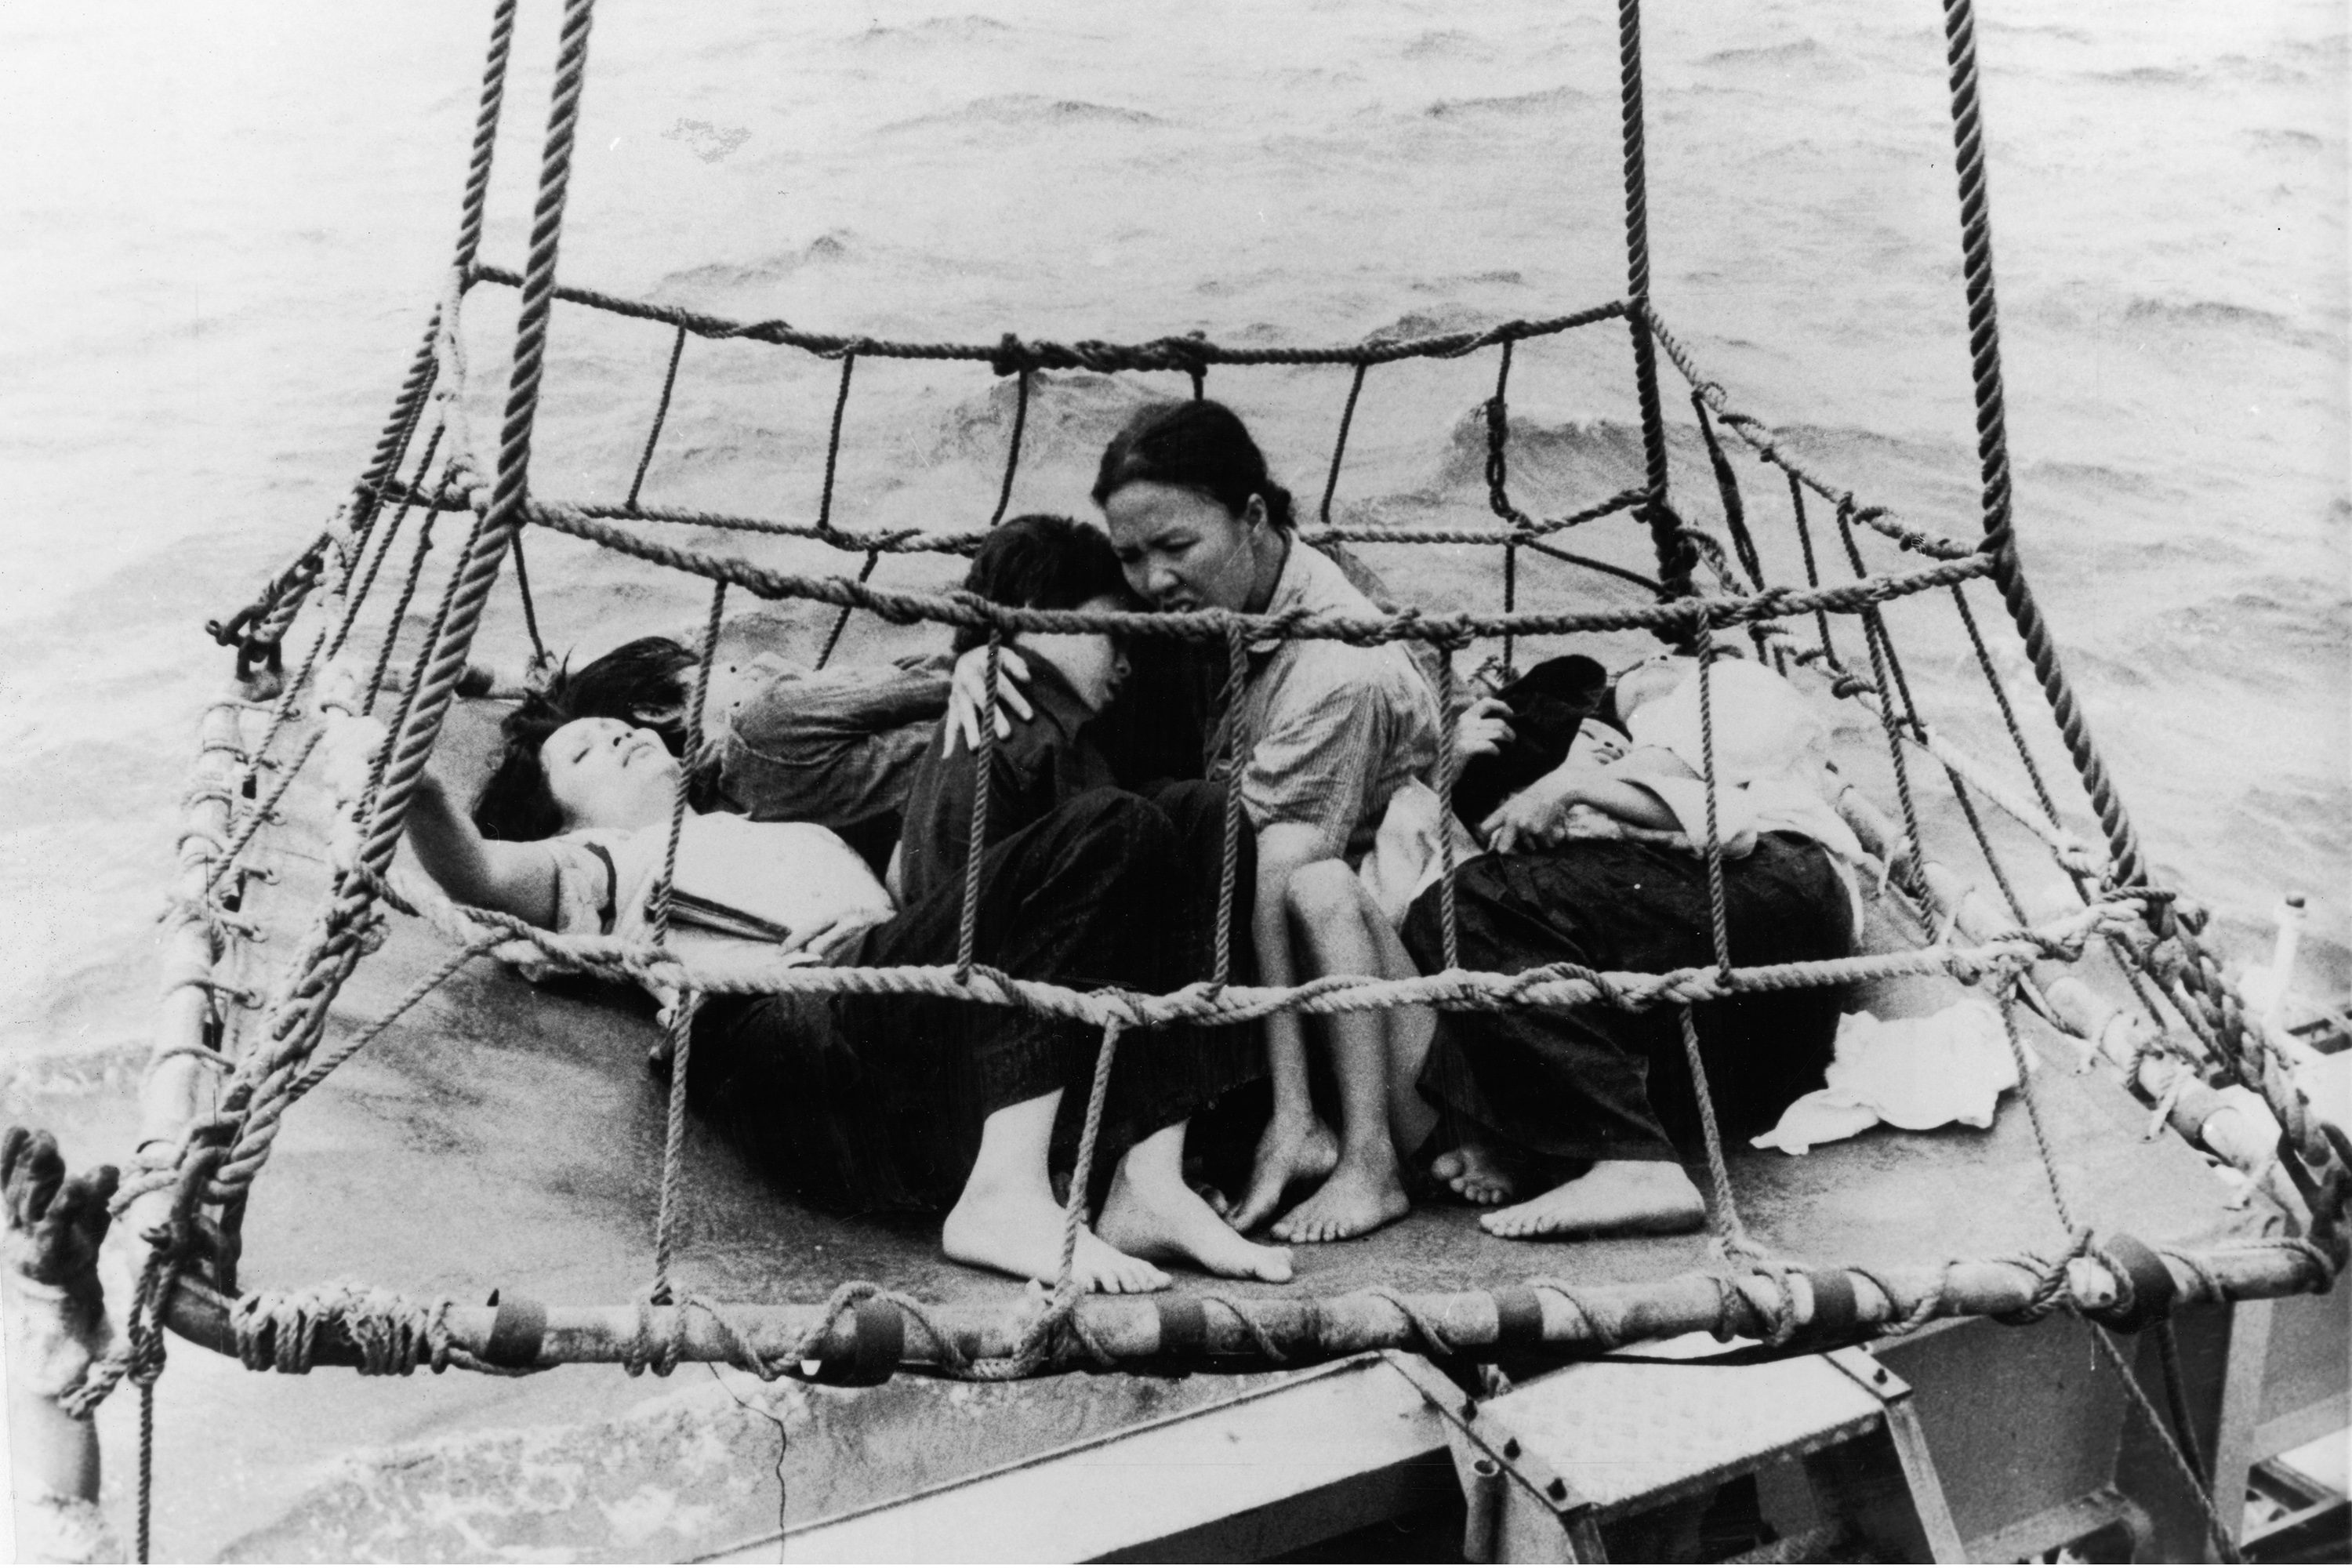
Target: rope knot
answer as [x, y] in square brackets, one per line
[1011, 356]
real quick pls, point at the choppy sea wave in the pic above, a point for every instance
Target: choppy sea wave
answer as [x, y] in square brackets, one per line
[232, 220]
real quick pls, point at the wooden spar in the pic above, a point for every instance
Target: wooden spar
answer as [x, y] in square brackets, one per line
[1127, 1329]
[180, 1085]
[2239, 1132]
[2245, 1136]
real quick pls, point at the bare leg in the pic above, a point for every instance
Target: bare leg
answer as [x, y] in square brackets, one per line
[1411, 1119]
[1637, 1197]
[1006, 1218]
[1152, 1211]
[1365, 1189]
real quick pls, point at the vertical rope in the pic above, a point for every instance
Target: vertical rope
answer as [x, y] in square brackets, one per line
[1498, 497]
[505, 514]
[1984, 842]
[661, 418]
[2017, 1053]
[841, 621]
[1510, 605]
[1881, 643]
[1236, 759]
[1813, 571]
[681, 1018]
[833, 445]
[1728, 1226]
[1873, 638]
[475, 205]
[1892, 726]
[2000, 699]
[416, 674]
[1874, 624]
[146, 1468]
[658, 905]
[1718, 902]
[385, 537]
[407, 595]
[529, 610]
[401, 612]
[976, 841]
[1450, 702]
[1992, 446]
[824, 500]
[1676, 556]
[392, 446]
[1726, 484]
[1339, 445]
[1074, 1211]
[1012, 449]
[2183, 1453]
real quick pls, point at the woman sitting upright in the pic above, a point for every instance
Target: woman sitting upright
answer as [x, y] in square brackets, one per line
[1332, 733]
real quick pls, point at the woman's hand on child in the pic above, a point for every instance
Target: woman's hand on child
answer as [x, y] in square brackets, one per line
[968, 695]
[1535, 818]
[825, 941]
[1484, 729]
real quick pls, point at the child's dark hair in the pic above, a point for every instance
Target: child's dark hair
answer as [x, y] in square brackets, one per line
[644, 682]
[1041, 563]
[1201, 446]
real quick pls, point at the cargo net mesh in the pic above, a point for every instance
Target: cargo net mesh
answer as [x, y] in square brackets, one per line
[237, 1061]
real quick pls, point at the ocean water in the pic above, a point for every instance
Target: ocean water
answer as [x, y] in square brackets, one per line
[224, 227]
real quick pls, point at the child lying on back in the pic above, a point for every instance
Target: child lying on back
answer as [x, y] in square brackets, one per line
[1771, 768]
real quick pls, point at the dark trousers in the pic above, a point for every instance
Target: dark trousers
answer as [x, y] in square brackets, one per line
[869, 1101]
[1598, 1083]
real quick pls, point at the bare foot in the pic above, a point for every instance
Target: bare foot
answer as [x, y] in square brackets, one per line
[1647, 1197]
[1286, 1153]
[1477, 1174]
[1020, 1234]
[1159, 1216]
[1361, 1198]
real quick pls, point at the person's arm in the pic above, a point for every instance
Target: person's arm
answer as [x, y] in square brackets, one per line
[518, 880]
[967, 696]
[1537, 812]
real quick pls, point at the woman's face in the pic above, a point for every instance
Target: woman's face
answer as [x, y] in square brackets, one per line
[1092, 662]
[606, 773]
[1183, 550]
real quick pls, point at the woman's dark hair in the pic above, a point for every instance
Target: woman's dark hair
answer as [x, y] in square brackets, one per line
[643, 683]
[1041, 563]
[1201, 446]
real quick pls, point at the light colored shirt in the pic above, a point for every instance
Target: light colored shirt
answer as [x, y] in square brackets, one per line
[1334, 729]
[1771, 748]
[792, 875]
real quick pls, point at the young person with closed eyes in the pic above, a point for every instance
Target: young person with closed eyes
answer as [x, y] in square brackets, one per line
[869, 1101]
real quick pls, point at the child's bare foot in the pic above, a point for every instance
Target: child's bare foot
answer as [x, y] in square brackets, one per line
[1020, 1234]
[1639, 1196]
[1360, 1196]
[1153, 1213]
[1286, 1153]
[1477, 1174]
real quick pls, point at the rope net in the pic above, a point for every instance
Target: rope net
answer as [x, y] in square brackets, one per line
[235, 1061]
